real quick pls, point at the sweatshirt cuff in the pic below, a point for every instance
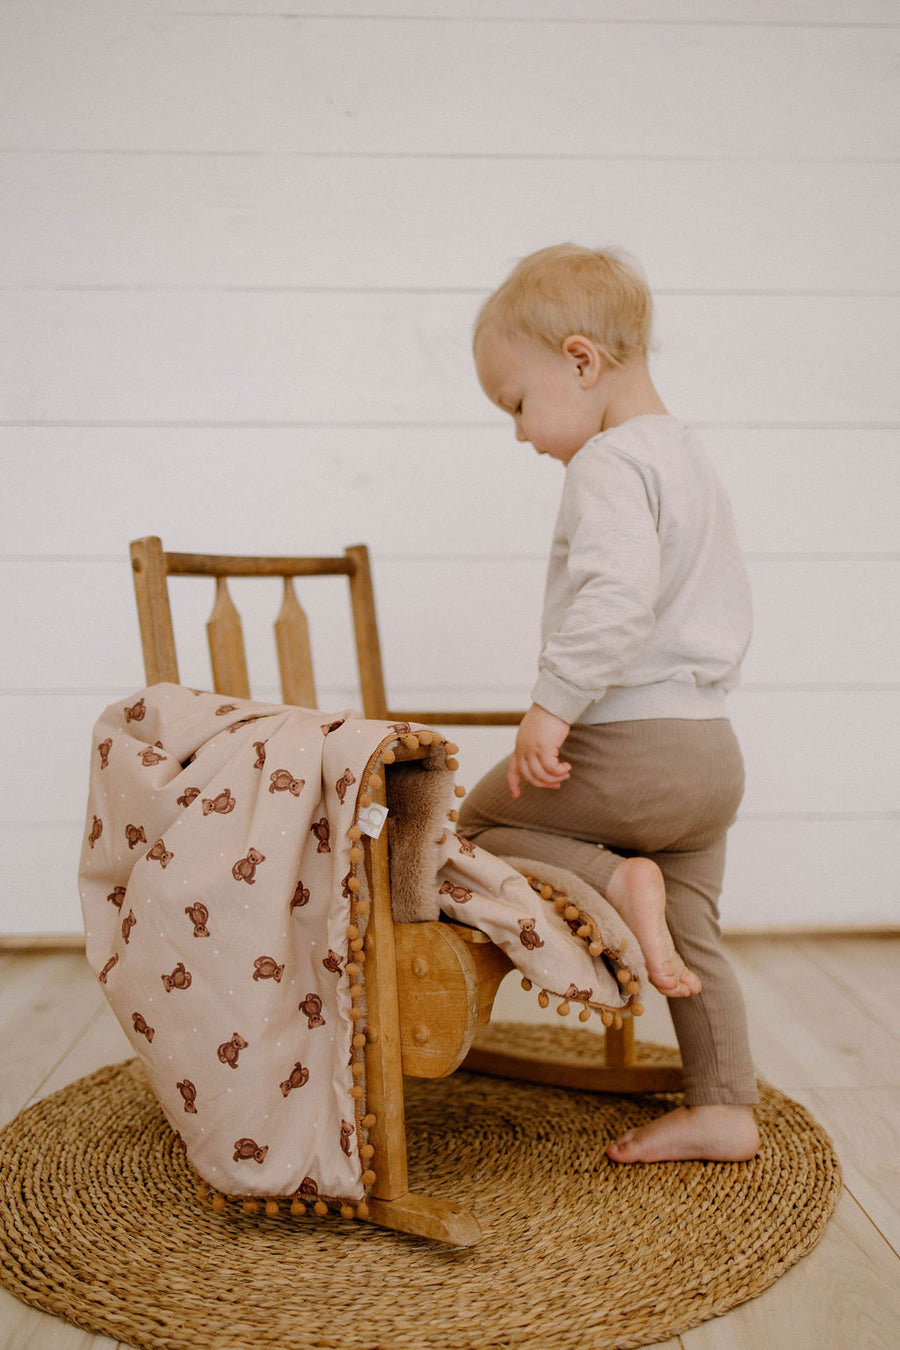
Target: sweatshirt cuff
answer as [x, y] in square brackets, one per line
[560, 698]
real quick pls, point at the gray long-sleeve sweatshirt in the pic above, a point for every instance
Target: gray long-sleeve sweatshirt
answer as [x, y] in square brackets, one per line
[647, 605]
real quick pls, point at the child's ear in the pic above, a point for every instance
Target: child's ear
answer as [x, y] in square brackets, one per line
[586, 357]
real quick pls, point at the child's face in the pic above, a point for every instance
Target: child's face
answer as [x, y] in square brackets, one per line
[542, 390]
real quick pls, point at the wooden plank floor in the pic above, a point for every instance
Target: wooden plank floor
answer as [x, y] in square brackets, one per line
[825, 1024]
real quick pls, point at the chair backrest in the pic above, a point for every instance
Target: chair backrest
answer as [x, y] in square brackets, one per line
[152, 566]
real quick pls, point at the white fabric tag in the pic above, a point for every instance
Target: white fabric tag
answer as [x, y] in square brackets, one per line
[371, 819]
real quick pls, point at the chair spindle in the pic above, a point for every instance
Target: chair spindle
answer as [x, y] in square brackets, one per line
[298, 686]
[226, 645]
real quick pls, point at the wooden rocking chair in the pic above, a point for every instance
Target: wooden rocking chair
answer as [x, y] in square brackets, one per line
[429, 986]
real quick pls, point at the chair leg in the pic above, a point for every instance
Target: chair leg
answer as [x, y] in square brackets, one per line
[390, 1201]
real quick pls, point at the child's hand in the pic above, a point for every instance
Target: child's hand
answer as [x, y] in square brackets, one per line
[536, 756]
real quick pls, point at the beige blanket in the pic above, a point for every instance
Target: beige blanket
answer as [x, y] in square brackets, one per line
[225, 903]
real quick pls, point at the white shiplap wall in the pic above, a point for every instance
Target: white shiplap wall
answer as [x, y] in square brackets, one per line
[243, 244]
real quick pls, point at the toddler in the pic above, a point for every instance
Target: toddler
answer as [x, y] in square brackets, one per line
[626, 770]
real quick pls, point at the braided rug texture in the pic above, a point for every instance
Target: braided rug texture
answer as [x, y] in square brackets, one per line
[99, 1224]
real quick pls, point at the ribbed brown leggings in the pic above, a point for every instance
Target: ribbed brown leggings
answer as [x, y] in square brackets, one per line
[667, 789]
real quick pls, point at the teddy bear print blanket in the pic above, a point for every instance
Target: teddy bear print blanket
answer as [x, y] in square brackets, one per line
[225, 904]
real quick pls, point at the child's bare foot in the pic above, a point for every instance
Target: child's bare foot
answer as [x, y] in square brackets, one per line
[637, 892]
[714, 1133]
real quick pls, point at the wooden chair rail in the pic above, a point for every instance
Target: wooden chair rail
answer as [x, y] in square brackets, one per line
[224, 565]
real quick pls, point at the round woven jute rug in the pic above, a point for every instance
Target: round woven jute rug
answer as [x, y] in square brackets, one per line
[100, 1224]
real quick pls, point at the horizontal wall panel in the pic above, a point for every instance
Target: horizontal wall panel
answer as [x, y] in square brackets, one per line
[811, 491]
[825, 623]
[40, 890]
[282, 221]
[812, 874]
[807, 755]
[779, 875]
[130, 82]
[810, 753]
[444, 623]
[261, 357]
[317, 489]
[851, 12]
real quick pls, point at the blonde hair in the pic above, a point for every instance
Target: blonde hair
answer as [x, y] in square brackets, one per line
[568, 289]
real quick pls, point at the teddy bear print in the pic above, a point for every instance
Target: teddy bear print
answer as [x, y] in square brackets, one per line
[223, 804]
[107, 968]
[296, 1079]
[159, 853]
[135, 835]
[141, 1026]
[308, 1188]
[401, 728]
[228, 1051]
[466, 847]
[198, 915]
[244, 721]
[127, 924]
[245, 868]
[260, 748]
[461, 894]
[300, 898]
[137, 712]
[117, 896]
[528, 937]
[245, 1149]
[322, 830]
[332, 962]
[282, 780]
[96, 831]
[328, 727]
[150, 756]
[345, 781]
[189, 795]
[179, 979]
[346, 1136]
[266, 968]
[580, 995]
[189, 1093]
[225, 709]
[104, 748]
[311, 1007]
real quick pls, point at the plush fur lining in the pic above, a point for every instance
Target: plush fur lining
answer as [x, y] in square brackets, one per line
[420, 794]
